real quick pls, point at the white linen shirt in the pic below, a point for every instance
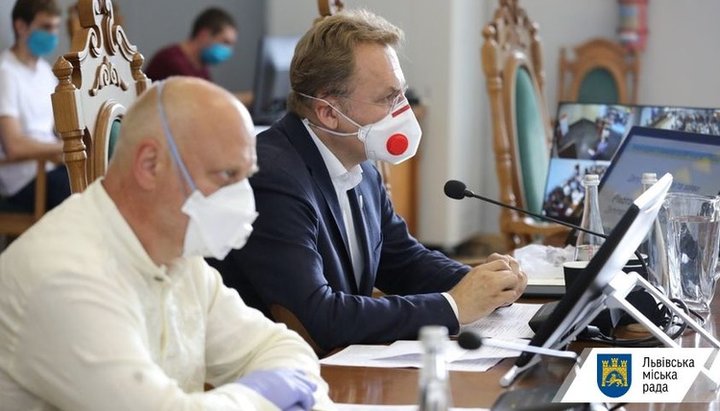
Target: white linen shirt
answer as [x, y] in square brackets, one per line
[25, 95]
[89, 322]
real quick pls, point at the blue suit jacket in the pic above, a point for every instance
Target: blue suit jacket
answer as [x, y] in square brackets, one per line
[297, 255]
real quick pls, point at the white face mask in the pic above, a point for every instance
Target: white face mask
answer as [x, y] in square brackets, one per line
[393, 139]
[219, 222]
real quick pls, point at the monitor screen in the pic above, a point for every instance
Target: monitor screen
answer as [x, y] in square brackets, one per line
[272, 78]
[581, 301]
[587, 136]
[693, 159]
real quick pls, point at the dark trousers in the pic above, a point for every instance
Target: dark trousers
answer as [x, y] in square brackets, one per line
[58, 189]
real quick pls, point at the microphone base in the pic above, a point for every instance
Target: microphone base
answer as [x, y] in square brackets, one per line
[509, 377]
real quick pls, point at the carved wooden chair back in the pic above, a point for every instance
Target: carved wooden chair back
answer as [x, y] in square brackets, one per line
[602, 71]
[515, 79]
[98, 80]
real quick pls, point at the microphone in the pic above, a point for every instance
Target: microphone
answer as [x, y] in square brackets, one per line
[471, 340]
[458, 190]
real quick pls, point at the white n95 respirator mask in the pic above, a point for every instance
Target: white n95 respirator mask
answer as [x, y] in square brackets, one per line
[219, 222]
[393, 139]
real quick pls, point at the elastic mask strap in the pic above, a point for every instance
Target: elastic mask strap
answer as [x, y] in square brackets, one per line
[327, 130]
[171, 140]
[337, 133]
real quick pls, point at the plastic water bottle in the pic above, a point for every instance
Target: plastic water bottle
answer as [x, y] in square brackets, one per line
[654, 245]
[434, 386]
[588, 244]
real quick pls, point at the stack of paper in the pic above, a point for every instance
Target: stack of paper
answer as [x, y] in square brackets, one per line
[408, 354]
[508, 323]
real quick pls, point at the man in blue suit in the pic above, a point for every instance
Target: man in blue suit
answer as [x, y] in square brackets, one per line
[327, 232]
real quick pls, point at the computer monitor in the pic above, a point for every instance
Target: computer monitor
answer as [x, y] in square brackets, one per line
[587, 136]
[272, 78]
[584, 297]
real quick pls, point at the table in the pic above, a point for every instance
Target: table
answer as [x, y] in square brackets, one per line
[361, 385]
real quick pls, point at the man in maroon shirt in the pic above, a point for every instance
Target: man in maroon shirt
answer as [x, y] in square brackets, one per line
[213, 36]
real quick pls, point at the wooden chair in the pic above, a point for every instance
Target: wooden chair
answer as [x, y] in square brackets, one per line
[73, 18]
[329, 7]
[512, 62]
[98, 80]
[13, 221]
[603, 71]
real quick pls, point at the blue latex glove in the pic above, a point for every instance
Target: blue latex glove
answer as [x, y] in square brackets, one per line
[287, 389]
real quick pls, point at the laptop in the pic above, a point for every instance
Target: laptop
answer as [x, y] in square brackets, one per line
[693, 160]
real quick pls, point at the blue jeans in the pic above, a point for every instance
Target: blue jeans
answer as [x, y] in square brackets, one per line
[58, 189]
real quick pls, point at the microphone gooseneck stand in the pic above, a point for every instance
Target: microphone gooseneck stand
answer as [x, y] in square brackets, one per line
[458, 190]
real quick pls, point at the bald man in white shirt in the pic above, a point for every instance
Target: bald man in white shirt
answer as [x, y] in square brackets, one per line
[107, 303]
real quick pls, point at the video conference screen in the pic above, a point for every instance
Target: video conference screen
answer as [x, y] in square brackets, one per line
[586, 137]
[693, 160]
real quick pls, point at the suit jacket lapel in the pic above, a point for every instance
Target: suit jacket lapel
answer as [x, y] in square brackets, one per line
[302, 141]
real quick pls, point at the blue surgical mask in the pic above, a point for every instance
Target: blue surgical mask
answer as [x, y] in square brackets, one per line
[215, 53]
[42, 42]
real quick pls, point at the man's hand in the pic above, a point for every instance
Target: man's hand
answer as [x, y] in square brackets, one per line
[488, 286]
[287, 389]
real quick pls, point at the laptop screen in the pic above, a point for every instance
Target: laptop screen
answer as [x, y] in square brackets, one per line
[693, 160]
[587, 136]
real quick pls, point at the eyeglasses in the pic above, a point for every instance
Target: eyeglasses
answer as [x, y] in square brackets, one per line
[389, 102]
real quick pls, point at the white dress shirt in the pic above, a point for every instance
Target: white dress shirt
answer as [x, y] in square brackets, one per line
[343, 180]
[89, 322]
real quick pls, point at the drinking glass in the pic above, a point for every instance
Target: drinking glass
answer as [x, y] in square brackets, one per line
[692, 231]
